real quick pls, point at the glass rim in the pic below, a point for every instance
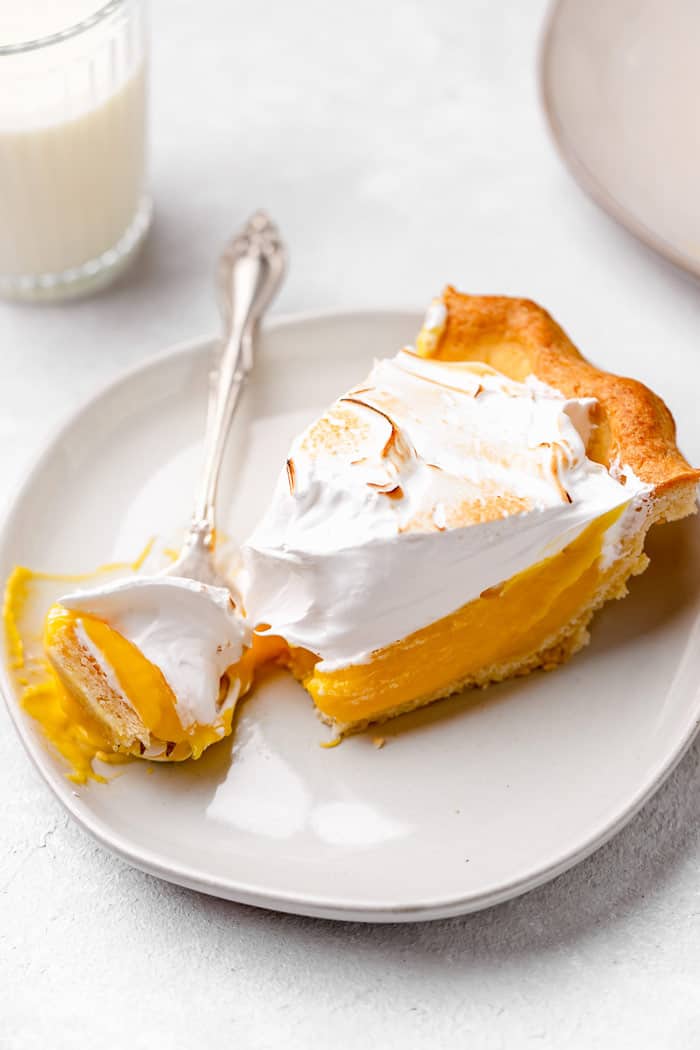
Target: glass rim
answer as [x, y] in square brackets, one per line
[103, 11]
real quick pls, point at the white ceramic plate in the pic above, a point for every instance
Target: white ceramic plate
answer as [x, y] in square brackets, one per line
[620, 81]
[470, 802]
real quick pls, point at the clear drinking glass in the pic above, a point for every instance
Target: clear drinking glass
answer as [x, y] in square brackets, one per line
[74, 205]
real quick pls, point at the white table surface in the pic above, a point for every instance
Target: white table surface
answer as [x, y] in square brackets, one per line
[399, 146]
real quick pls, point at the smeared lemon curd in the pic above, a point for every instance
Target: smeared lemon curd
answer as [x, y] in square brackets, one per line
[499, 628]
[77, 737]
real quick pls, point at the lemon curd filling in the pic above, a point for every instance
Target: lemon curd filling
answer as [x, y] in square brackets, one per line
[504, 625]
[77, 737]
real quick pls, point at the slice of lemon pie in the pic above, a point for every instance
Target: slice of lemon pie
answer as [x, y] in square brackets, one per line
[458, 517]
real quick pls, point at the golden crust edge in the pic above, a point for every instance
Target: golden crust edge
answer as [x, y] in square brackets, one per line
[640, 430]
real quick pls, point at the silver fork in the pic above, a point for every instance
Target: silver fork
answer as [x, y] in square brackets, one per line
[250, 272]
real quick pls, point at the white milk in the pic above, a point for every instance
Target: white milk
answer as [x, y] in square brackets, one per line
[72, 141]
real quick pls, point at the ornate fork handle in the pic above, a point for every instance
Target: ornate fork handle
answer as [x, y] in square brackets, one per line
[251, 269]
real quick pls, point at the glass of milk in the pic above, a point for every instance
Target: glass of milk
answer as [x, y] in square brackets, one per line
[74, 205]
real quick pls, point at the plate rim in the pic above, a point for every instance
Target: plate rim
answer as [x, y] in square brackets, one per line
[308, 904]
[579, 170]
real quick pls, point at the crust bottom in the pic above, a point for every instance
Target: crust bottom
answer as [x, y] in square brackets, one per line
[574, 635]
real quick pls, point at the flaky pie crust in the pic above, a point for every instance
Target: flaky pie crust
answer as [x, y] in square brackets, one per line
[519, 338]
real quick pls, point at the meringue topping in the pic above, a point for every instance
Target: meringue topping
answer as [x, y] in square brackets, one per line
[427, 485]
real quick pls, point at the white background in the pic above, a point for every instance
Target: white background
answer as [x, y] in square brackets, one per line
[399, 146]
